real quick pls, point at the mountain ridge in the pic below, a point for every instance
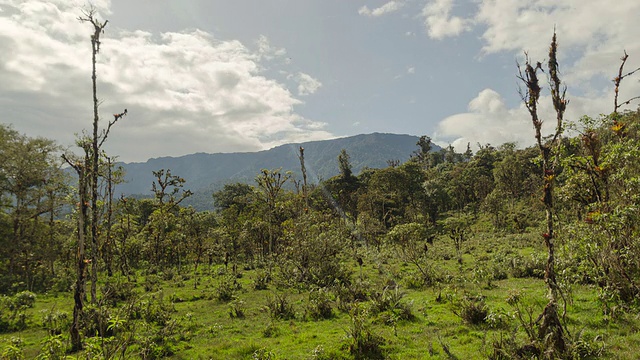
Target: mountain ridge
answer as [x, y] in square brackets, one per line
[205, 173]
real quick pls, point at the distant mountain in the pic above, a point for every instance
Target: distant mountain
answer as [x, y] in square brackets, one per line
[206, 173]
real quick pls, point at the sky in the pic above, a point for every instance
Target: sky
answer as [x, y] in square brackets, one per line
[248, 75]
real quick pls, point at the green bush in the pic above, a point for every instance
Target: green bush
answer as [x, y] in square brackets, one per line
[472, 310]
[236, 309]
[226, 288]
[279, 307]
[12, 315]
[55, 322]
[390, 301]
[261, 280]
[363, 343]
[318, 305]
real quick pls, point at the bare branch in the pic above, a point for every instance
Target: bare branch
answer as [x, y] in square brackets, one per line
[617, 80]
[558, 91]
[105, 132]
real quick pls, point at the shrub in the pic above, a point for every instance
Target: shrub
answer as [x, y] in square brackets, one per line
[53, 347]
[263, 354]
[12, 316]
[271, 330]
[390, 300]
[152, 283]
[95, 320]
[472, 310]
[55, 322]
[236, 309]
[362, 342]
[226, 287]
[119, 289]
[348, 294]
[532, 267]
[14, 350]
[261, 280]
[318, 305]
[279, 307]
[24, 300]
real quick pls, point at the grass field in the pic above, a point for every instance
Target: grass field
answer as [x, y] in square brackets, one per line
[497, 279]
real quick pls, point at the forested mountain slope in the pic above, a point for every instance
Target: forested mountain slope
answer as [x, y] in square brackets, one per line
[206, 172]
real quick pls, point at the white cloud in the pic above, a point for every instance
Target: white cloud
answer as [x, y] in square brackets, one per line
[185, 91]
[591, 35]
[307, 85]
[391, 6]
[439, 22]
[267, 51]
[594, 32]
[490, 121]
[411, 70]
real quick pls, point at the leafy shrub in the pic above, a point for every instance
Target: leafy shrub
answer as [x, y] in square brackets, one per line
[348, 294]
[362, 342]
[152, 283]
[272, 330]
[472, 310]
[95, 320]
[532, 267]
[261, 280]
[263, 354]
[153, 309]
[584, 347]
[24, 300]
[55, 322]
[226, 288]
[279, 307]
[14, 350]
[318, 305]
[390, 300]
[53, 347]
[12, 315]
[119, 289]
[236, 309]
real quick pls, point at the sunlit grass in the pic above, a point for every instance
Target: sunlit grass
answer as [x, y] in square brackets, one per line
[435, 330]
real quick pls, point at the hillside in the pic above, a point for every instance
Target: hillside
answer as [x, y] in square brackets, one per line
[204, 173]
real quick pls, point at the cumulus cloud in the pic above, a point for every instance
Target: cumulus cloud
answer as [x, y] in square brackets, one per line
[592, 36]
[490, 121]
[487, 121]
[391, 6]
[439, 22]
[307, 85]
[185, 91]
[592, 32]
[267, 51]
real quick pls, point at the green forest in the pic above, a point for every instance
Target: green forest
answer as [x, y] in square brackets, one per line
[501, 253]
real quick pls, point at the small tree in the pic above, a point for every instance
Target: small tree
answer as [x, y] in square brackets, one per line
[270, 183]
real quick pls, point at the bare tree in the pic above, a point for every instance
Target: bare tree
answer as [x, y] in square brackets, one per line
[551, 328]
[617, 80]
[87, 168]
[305, 188]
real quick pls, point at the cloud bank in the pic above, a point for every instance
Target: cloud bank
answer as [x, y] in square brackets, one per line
[185, 91]
[592, 37]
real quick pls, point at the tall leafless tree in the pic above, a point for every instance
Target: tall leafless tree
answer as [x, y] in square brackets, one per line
[87, 168]
[550, 328]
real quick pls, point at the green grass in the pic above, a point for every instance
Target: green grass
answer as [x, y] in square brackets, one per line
[209, 332]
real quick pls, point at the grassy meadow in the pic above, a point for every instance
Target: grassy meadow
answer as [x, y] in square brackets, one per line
[469, 309]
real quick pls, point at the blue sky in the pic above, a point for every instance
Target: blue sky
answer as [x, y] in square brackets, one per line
[247, 75]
